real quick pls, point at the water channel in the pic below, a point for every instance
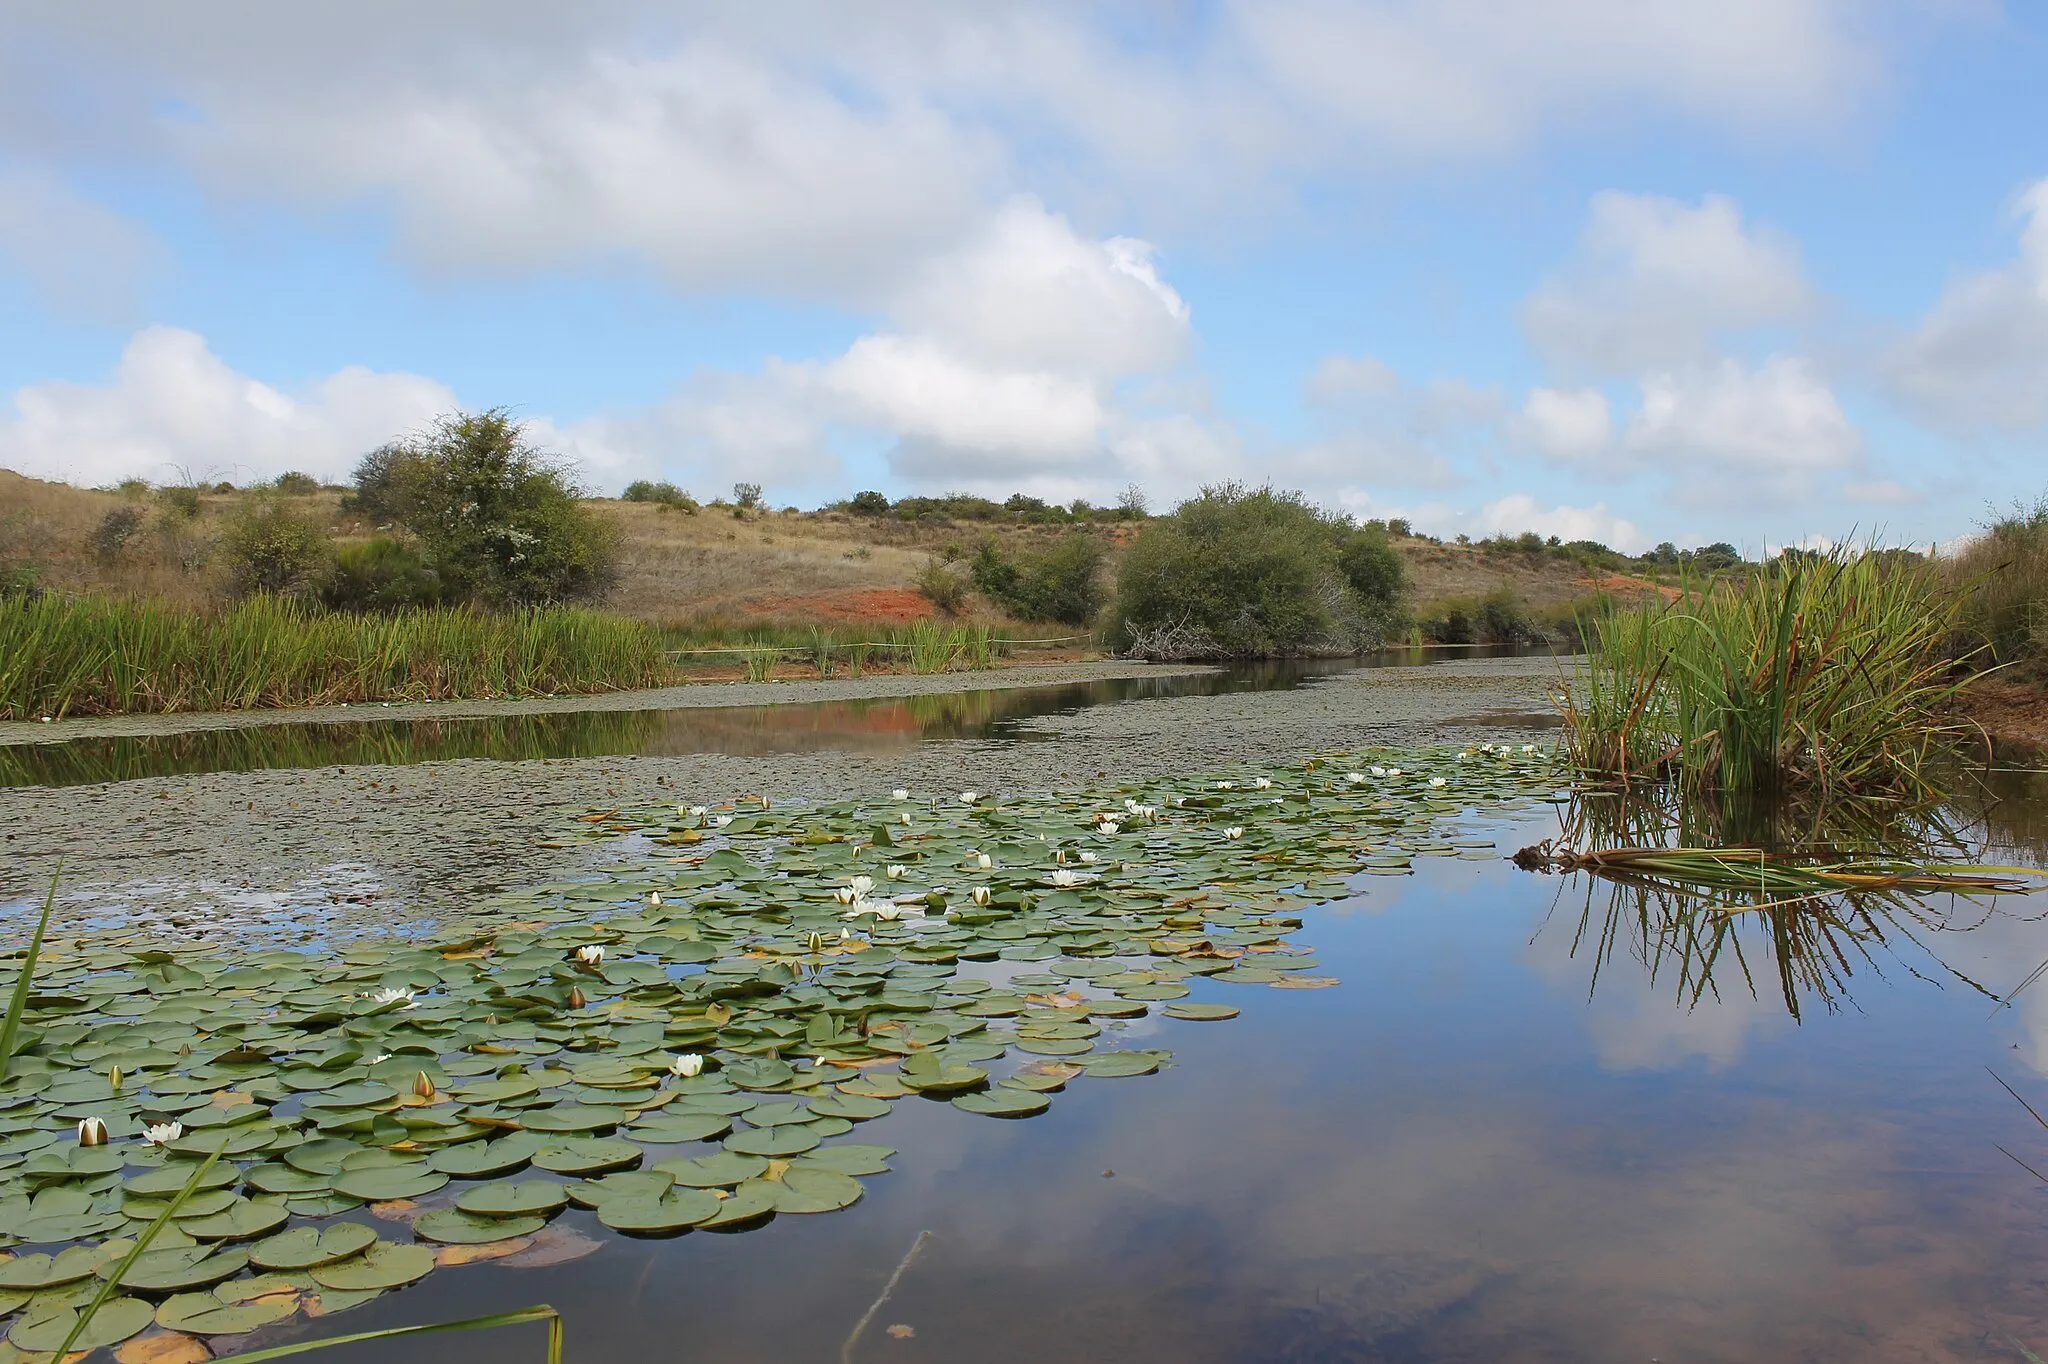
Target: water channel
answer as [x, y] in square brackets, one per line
[1522, 1126]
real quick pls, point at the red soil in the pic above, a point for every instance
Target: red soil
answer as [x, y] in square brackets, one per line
[889, 605]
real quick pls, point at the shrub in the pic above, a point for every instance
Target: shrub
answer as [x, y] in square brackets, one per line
[1237, 573]
[381, 575]
[274, 549]
[942, 587]
[378, 486]
[1061, 583]
[179, 502]
[1499, 617]
[667, 496]
[868, 503]
[2003, 578]
[296, 484]
[1374, 568]
[114, 532]
[498, 520]
[746, 496]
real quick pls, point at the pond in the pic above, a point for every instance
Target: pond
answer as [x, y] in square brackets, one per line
[1489, 1114]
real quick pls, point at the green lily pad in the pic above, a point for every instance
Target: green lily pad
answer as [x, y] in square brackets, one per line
[1003, 1103]
[852, 1158]
[305, 1247]
[180, 1268]
[926, 1073]
[665, 1128]
[382, 1184]
[321, 1156]
[751, 1202]
[244, 1221]
[587, 1155]
[453, 1226]
[676, 1210]
[43, 1330]
[779, 1114]
[854, 1107]
[1054, 1046]
[202, 1314]
[525, 1198]
[484, 1159]
[1200, 1012]
[571, 1118]
[811, 1190]
[591, 1193]
[384, 1265]
[719, 1170]
[773, 1142]
[1116, 1064]
[275, 1177]
[40, 1270]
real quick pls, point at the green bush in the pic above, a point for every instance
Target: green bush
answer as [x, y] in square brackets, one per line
[868, 503]
[380, 575]
[1061, 583]
[664, 495]
[2003, 578]
[1238, 573]
[295, 484]
[1499, 617]
[497, 520]
[378, 485]
[114, 532]
[179, 502]
[942, 587]
[274, 549]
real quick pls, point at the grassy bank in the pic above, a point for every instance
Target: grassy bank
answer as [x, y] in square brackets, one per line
[90, 655]
[1834, 675]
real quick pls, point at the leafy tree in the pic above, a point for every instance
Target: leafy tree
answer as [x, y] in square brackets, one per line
[498, 521]
[869, 503]
[1061, 583]
[746, 496]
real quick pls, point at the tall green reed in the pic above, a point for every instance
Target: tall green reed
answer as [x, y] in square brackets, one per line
[1826, 675]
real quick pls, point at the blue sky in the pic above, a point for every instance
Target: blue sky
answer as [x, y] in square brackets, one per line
[1765, 271]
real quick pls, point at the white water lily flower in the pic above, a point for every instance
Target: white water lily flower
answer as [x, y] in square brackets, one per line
[391, 994]
[1226, 786]
[1378, 771]
[1264, 783]
[698, 811]
[901, 793]
[1393, 771]
[92, 1132]
[1063, 877]
[904, 816]
[686, 1064]
[591, 954]
[884, 909]
[1131, 804]
[1234, 831]
[723, 820]
[162, 1133]
[1528, 748]
[861, 885]
[969, 797]
[1109, 826]
[897, 871]
[984, 861]
[980, 895]
[1438, 781]
[1464, 755]
[1354, 777]
[1087, 857]
[845, 895]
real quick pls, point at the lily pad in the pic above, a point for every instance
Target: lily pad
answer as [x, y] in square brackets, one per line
[719, 1170]
[525, 1198]
[587, 1155]
[926, 1073]
[772, 1141]
[306, 1247]
[571, 1118]
[852, 1158]
[750, 1203]
[812, 1190]
[41, 1270]
[43, 1330]
[202, 1314]
[855, 1107]
[381, 1184]
[676, 1210]
[1199, 1012]
[1003, 1103]
[483, 1159]
[665, 1128]
[181, 1268]
[1116, 1064]
[384, 1265]
[244, 1221]
[591, 1193]
[453, 1226]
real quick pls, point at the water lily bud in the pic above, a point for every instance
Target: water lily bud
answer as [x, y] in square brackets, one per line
[92, 1132]
[904, 817]
[981, 896]
[423, 1085]
[897, 871]
[817, 942]
[844, 895]
[984, 861]
[114, 1077]
[654, 899]
[846, 935]
[590, 955]
[576, 999]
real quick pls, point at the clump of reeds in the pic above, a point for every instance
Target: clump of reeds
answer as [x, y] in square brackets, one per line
[2002, 575]
[1828, 674]
[91, 655]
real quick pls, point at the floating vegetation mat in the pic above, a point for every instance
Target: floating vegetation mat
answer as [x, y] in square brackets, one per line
[691, 1040]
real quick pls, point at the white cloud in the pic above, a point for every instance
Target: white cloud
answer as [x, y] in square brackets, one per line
[1979, 360]
[175, 408]
[79, 256]
[1518, 512]
[1736, 432]
[1574, 426]
[1659, 282]
[1339, 377]
[819, 147]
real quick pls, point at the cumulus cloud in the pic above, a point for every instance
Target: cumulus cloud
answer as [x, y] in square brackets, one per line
[1773, 426]
[1573, 426]
[174, 408]
[1979, 360]
[1660, 282]
[82, 258]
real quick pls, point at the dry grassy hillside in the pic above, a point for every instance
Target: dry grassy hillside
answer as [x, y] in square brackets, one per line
[675, 566]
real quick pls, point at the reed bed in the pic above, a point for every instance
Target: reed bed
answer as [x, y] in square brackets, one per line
[923, 646]
[1830, 674]
[92, 655]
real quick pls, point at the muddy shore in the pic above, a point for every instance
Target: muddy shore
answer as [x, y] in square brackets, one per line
[276, 855]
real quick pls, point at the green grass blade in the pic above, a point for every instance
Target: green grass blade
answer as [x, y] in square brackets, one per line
[18, 1003]
[113, 1285]
[516, 1317]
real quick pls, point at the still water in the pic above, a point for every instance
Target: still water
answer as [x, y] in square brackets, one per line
[1513, 1131]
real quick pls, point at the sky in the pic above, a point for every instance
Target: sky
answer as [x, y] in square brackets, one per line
[1762, 271]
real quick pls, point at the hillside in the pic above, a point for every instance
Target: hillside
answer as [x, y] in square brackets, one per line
[711, 565]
